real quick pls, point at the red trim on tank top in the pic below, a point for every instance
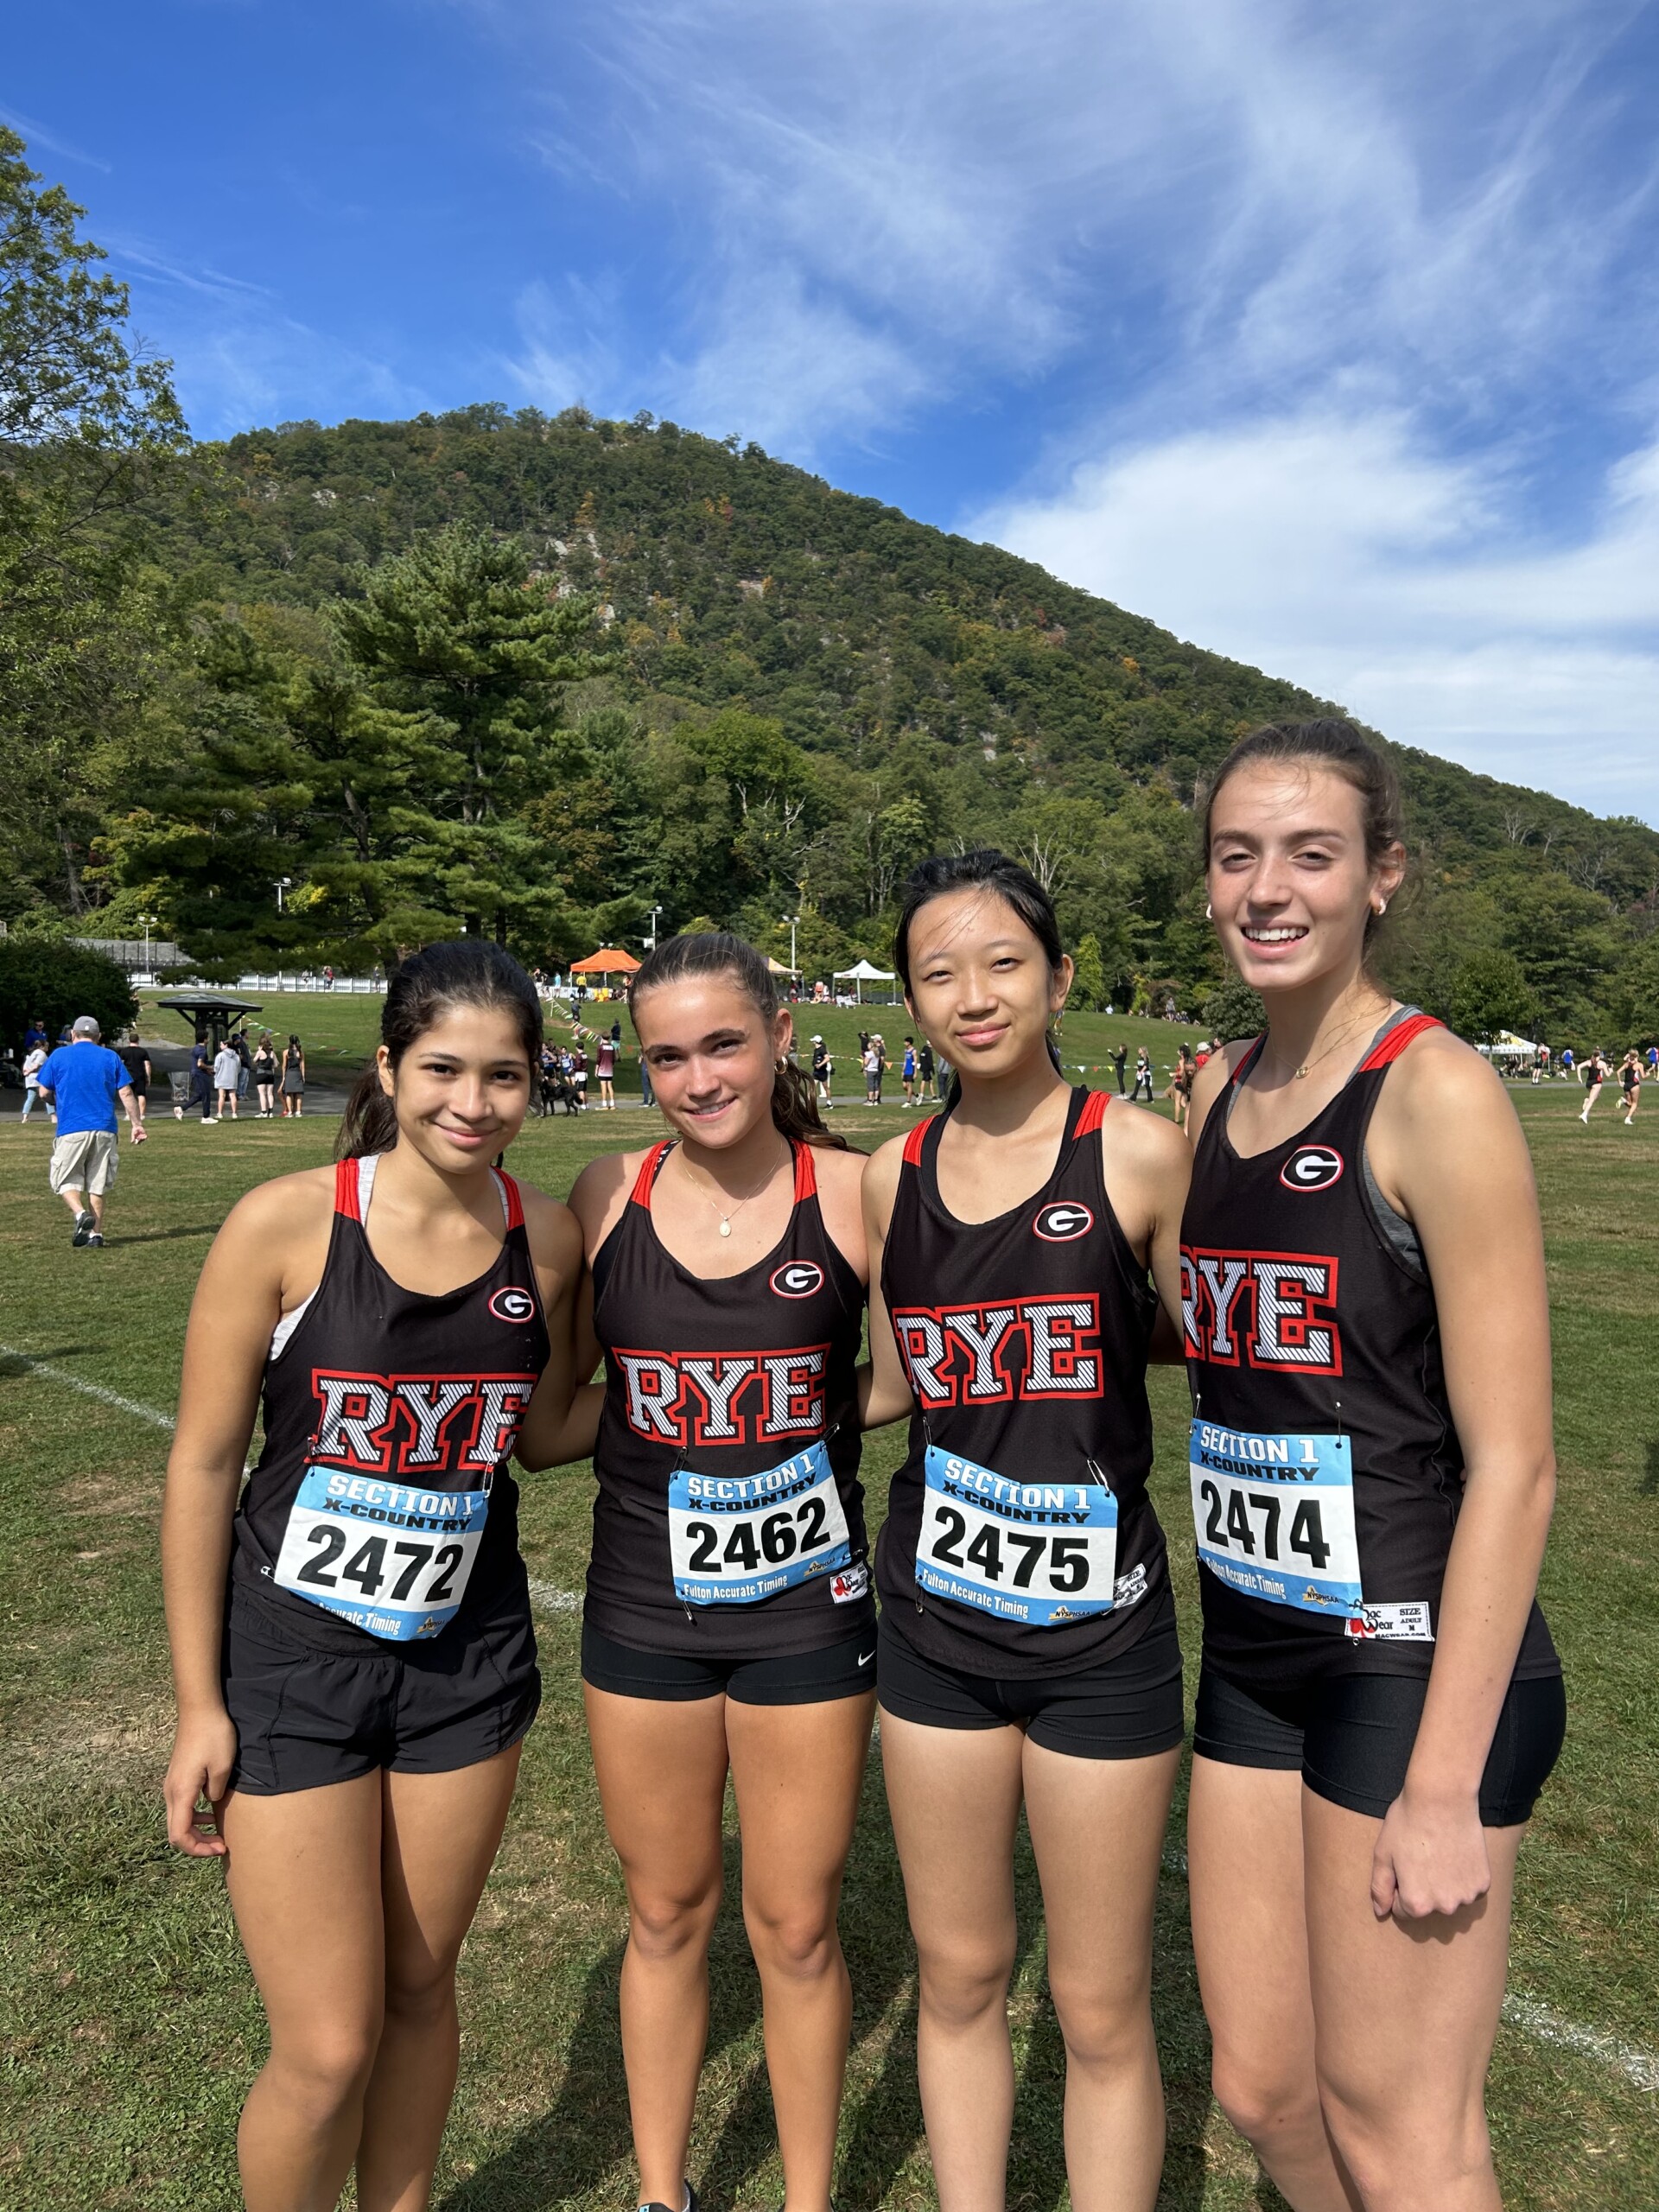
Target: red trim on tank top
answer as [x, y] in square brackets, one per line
[915, 1141]
[641, 1194]
[1395, 1042]
[806, 1174]
[345, 1190]
[1093, 1113]
[515, 1204]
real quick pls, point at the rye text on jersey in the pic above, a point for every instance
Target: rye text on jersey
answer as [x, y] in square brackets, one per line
[1269, 1309]
[1007, 1350]
[723, 1397]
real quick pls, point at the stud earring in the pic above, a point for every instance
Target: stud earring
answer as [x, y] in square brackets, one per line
[1381, 908]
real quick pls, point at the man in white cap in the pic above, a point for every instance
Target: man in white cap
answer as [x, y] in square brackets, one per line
[85, 1080]
[822, 1069]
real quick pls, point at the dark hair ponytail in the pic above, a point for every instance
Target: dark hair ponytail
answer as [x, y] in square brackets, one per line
[985, 870]
[717, 952]
[463, 971]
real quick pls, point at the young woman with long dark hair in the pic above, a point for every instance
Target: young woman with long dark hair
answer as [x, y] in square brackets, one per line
[729, 1626]
[352, 1651]
[1368, 1343]
[1028, 1645]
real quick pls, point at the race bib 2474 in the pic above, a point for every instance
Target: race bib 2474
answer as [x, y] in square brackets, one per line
[1274, 1515]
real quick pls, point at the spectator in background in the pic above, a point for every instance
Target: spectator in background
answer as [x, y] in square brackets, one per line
[33, 1061]
[265, 1072]
[243, 1062]
[907, 1071]
[201, 1084]
[822, 1070]
[135, 1060]
[579, 1073]
[605, 1070]
[1143, 1076]
[873, 1057]
[227, 1067]
[925, 1073]
[86, 1080]
[33, 1035]
[1121, 1061]
[293, 1080]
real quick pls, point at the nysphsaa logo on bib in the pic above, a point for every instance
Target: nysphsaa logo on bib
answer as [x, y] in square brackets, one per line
[512, 1305]
[1312, 1167]
[1060, 1224]
[797, 1278]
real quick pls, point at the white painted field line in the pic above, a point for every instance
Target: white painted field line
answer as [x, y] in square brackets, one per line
[1637, 2066]
[552, 1599]
[88, 1389]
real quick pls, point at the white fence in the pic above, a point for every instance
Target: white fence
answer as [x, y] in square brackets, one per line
[363, 986]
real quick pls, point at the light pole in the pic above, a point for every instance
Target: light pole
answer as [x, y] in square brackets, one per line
[284, 883]
[651, 941]
[148, 922]
[791, 919]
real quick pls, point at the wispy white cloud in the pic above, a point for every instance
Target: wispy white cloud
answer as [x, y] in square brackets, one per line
[39, 135]
[1339, 550]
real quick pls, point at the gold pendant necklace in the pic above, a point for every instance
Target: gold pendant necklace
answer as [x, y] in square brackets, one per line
[727, 1219]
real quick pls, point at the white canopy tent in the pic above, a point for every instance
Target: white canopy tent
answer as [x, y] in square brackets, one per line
[1506, 1045]
[862, 972]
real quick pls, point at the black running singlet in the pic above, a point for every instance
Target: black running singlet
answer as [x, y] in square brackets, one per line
[385, 1408]
[1020, 1539]
[1326, 1473]
[729, 1517]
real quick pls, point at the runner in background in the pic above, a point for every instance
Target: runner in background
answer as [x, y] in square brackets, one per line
[822, 1072]
[907, 1071]
[135, 1060]
[605, 1070]
[729, 1626]
[352, 1651]
[1028, 1647]
[1595, 1074]
[1367, 1345]
[1629, 1078]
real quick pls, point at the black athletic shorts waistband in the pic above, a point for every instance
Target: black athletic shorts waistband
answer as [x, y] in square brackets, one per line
[846, 1669]
[1350, 1736]
[1127, 1707]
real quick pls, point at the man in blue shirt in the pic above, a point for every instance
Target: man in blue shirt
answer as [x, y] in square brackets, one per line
[86, 1080]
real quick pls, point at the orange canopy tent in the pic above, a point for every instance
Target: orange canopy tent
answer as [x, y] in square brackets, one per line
[609, 961]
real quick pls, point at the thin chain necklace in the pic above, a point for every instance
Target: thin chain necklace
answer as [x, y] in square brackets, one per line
[726, 1219]
[1342, 1034]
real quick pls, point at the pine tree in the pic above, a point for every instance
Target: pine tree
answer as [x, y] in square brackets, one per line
[458, 630]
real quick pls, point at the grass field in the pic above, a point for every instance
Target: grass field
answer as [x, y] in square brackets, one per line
[130, 2029]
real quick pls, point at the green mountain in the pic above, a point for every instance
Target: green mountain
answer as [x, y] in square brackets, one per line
[791, 694]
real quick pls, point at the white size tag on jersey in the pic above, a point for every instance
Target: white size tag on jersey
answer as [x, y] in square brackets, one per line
[1041, 1553]
[736, 1538]
[390, 1558]
[1274, 1515]
[1399, 1621]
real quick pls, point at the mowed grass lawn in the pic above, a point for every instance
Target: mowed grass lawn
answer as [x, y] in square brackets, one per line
[130, 2029]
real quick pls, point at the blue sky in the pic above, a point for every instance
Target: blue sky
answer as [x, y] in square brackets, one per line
[1324, 334]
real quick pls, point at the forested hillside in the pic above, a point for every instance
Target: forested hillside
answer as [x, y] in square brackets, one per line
[541, 677]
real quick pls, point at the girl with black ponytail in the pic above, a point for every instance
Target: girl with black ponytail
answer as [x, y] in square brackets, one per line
[729, 1625]
[353, 1650]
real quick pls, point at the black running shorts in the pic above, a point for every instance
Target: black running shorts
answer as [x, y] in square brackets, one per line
[843, 1669]
[1351, 1736]
[1127, 1708]
[306, 1715]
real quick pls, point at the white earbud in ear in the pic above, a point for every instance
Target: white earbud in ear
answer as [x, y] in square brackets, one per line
[1209, 912]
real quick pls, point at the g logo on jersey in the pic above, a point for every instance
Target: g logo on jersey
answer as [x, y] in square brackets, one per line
[1313, 1167]
[513, 1305]
[799, 1278]
[1060, 1224]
